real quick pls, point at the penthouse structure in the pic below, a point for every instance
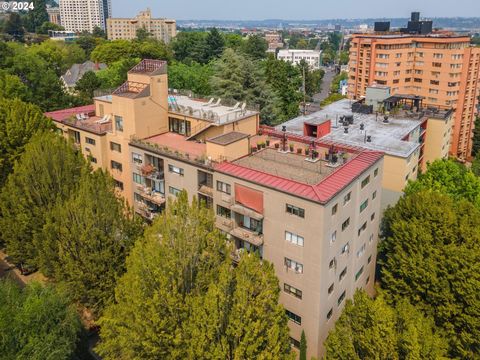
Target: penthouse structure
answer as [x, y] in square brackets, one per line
[409, 139]
[441, 67]
[316, 219]
[160, 29]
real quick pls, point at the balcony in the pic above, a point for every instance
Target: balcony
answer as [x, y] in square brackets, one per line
[151, 172]
[240, 209]
[149, 194]
[143, 210]
[250, 236]
[224, 224]
[205, 189]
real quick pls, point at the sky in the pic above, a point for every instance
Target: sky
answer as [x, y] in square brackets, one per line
[295, 9]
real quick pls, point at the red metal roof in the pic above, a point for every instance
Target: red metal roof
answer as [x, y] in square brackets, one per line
[322, 192]
[61, 115]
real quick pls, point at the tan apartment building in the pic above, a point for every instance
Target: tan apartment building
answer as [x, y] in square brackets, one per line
[410, 140]
[316, 219]
[160, 29]
[442, 68]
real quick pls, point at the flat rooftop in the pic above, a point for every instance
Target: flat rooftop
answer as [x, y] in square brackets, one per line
[179, 143]
[228, 138]
[210, 110]
[385, 137]
[286, 165]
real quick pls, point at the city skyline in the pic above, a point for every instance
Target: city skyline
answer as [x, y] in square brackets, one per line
[300, 10]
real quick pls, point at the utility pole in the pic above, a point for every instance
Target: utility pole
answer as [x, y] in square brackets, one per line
[304, 91]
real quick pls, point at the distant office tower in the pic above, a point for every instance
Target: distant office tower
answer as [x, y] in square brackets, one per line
[124, 28]
[440, 67]
[85, 15]
[53, 15]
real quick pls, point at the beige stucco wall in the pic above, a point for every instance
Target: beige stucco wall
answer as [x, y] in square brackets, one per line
[437, 140]
[228, 152]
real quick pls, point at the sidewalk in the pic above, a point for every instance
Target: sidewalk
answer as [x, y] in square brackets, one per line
[9, 270]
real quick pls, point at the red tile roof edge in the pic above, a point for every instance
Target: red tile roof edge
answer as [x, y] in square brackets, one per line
[60, 115]
[322, 192]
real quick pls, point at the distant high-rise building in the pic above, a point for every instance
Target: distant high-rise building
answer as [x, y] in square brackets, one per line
[85, 15]
[441, 68]
[125, 28]
[54, 15]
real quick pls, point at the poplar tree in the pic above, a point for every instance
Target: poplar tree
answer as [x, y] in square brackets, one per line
[45, 175]
[303, 346]
[19, 121]
[181, 298]
[86, 239]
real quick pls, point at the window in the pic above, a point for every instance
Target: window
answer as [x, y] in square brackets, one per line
[292, 291]
[364, 205]
[334, 209]
[115, 147]
[118, 184]
[173, 191]
[295, 343]
[116, 165]
[372, 217]
[224, 187]
[137, 158]
[332, 263]
[374, 195]
[295, 211]
[369, 259]
[333, 237]
[370, 239]
[175, 170]
[375, 172]
[345, 224]
[92, 159]
[359, 273]
[90, 141]
[362, 228]
[118, 123]
[224, 212]
[342, 274]
[293, 265]
[294, 317]
[294, 238]
[361, 251]
[365, 181]
[345, 248]
[367, 281]
[341, 298]
[182, 127]
[329, 314]
[138, 179]
[330, 289]
[347, 198]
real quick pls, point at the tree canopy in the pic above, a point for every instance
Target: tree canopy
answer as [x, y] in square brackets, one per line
[179, 275]
[430, 254]
[36, 323]
[371, 329]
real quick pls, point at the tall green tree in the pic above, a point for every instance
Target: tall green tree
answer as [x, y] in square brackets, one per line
[11, 87]
[430, 254]
[86, 239]
[194, 77]
[36, 323]
[14, 26]
[143, 34]
[87, 85]
[303, 346]
[448, 177]
[19, 121]
[214, 45]
[45, 175]
[189, 46]
[476, 137]
[476, 164]
[179, 275]
[37, 16]
[371, 329]
[255, 47]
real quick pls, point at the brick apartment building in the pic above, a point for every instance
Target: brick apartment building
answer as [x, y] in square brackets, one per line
[126, 29]
[311, 207]
[440, 67]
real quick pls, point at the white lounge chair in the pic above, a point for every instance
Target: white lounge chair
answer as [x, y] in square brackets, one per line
[217, 103]
[209, 102]
[79, 117]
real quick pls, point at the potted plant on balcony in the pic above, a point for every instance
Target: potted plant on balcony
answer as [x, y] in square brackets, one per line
[299, 151]
[277, 146]
[291, 147]
[307, 151]
[147, 169]
[267, 141]
[254, 149]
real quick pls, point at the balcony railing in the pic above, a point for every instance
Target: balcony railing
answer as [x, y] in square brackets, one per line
[150, 195]
[206, 188]
[224, 224]
[250, 236]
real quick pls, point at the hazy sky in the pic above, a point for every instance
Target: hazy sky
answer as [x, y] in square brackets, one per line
[295, 9]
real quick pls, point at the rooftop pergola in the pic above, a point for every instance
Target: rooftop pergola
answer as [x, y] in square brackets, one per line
[413, 101]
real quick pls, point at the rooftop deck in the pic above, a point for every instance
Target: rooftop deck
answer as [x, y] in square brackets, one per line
[385, 137]
[82, 118]
[213, 110]
[287, 165]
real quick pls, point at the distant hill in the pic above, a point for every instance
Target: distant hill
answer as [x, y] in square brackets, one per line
[445, 23]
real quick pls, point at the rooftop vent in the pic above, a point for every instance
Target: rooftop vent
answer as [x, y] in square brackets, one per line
[385, 119]
[349, 118]
[345, 130]
[362, 126]
[369, 138]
